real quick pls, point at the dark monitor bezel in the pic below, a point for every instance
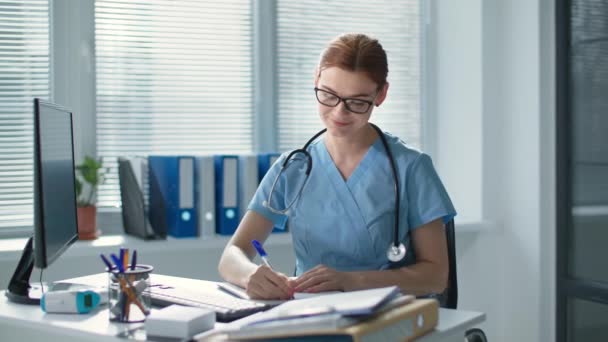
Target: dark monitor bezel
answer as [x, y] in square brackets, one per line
[41, 259]
[19, 289]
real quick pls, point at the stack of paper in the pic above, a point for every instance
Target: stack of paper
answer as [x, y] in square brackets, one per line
[331, 312]
[352, 303]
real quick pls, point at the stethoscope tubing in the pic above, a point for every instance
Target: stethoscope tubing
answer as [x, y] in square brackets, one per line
[397, 250]
[396, 183]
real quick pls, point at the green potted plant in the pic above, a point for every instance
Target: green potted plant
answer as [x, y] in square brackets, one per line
[89, 174]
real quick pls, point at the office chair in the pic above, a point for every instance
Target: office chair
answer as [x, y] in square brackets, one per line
[449, 298]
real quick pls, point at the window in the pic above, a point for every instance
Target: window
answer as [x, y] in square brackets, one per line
[177, 77]
[24, 75]
[303, 29]
[173, 77]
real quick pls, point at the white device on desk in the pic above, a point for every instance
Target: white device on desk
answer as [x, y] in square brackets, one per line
[70, 301]
[179, 321]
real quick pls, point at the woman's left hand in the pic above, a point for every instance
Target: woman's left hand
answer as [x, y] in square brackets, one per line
[321, 278]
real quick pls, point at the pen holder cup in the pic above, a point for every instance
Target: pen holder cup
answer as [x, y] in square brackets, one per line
[128, 294]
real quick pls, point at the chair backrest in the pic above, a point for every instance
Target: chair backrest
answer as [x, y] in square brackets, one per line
[450, 295]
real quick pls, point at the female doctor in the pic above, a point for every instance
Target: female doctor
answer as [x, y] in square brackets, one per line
[343, 218]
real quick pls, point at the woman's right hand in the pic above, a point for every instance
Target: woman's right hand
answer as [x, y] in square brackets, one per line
[264, 283]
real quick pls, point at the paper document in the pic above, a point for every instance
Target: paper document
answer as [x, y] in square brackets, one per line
[351, 303]
[304, 295]
[280, 323]
[240, 292]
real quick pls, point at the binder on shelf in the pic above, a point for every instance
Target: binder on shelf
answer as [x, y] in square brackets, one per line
[265, 161]
[226, 194]
[205, 195]
[132, 178]
[248, 181]
[172, 187]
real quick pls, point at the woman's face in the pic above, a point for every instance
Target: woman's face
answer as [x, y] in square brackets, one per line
[341, 122]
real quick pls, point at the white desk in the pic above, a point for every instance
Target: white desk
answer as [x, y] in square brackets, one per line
[452, 325]
[20, 322]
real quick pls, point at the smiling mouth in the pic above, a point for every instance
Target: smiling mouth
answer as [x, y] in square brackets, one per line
[341, 124]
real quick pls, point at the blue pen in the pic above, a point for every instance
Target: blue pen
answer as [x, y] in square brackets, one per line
[107, 262]
[258, 247]
[134, 259]
[118, 263]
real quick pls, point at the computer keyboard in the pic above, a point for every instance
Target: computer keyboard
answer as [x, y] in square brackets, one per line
[227, 308]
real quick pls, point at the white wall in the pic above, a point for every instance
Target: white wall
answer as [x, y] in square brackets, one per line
[504, 50]
[457, 93]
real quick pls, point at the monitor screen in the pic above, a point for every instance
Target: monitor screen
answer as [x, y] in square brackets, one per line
[55, 220]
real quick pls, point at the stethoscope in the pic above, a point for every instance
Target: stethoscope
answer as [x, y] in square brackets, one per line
[396, 250]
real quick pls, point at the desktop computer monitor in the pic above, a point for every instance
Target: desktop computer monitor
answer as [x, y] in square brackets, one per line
[55, 218]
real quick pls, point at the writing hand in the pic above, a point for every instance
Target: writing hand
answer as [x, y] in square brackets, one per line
[264, 283]
[320, 279]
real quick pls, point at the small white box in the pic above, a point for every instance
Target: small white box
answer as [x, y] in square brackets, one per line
[179, 321]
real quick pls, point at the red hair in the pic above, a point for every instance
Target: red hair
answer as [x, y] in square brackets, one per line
[356, 52]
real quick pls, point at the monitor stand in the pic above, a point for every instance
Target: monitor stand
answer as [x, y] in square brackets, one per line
[19, 289]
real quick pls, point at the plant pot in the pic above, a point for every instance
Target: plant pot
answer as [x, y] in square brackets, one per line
[87, 225]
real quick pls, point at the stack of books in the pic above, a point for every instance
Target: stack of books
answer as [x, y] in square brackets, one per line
[368, 315]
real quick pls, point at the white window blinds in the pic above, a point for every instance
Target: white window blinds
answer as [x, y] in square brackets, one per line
[306, 26]
[24, 75]
[173, 77]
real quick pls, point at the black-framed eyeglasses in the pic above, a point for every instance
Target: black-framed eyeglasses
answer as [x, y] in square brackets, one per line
[357, 106]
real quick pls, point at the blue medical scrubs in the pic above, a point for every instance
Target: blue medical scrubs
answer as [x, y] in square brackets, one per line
[349, 224]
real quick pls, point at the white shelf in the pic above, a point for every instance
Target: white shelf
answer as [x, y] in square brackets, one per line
[11, 248]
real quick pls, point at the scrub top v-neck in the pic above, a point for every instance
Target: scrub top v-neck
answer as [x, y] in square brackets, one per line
[348, 224]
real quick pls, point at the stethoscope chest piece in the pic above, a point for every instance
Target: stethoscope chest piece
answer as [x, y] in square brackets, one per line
[395, 254]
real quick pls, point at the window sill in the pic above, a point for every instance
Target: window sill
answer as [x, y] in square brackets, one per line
[10, 249]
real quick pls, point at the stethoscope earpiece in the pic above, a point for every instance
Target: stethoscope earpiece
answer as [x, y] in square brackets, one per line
[395, 254]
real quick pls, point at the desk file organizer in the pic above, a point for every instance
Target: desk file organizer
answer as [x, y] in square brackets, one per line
[172, 180]
[132, 177]
[226, 194]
